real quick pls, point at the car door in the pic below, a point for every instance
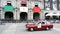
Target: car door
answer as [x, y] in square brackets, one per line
[43, 26]
[39, 25]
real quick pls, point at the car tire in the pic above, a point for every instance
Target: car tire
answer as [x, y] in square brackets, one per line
[47, 28]
[31, 29]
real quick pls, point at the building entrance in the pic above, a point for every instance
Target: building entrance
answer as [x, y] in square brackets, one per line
[36, 16]
[23, 16]
[8, 16]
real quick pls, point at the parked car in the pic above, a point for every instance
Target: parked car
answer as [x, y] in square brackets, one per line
[42, 25]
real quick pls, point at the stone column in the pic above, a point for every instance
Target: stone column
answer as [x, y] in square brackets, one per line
[2, 15]
[31, 15]
[42, 15]
[18, 15]
[14, 15]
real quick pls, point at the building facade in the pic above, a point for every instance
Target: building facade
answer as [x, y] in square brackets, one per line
[29, 9]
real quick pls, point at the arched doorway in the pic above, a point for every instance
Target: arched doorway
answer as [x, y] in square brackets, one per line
[46, 14]
[55, 17]
[46, 17]
[8, 16]
[36, 16]
[23, 16]
[59, 17]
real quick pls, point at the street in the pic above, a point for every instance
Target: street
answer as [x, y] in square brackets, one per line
[19, 28]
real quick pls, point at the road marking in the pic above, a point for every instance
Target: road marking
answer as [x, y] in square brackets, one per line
[56, 29]
[10, 30]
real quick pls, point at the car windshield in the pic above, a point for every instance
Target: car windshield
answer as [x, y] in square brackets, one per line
[43, 22]
[48, 22]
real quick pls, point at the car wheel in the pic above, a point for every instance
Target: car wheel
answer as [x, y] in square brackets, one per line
[31, 29]
[47, 28]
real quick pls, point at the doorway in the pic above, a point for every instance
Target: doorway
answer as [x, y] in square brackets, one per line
[23, 16]
[36, 16]
[8, 16]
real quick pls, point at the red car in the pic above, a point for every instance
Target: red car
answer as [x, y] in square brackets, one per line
[39, 26]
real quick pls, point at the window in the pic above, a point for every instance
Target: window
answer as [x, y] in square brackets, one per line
[23, 5]
[36, 5]
[9, 4]
[47, 4]
[54, 4]
[54, 1]
[43, 22]
[47, 1]
[59, 6]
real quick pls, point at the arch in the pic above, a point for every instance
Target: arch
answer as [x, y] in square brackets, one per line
[55, 17]
[46, 13]
[36, 16]
[59, 17]
[46, 17]
[23, 16]
[8, 15]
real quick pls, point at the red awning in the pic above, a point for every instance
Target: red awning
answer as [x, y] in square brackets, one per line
[36, 9]
[23, 2]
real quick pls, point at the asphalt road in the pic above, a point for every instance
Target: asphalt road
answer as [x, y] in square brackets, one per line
[19, 28]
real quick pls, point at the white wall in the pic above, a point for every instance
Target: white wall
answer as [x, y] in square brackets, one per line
[30, 5]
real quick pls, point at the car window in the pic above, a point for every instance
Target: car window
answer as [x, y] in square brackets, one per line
[39, 22]
[48, 22]
[43, 22]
